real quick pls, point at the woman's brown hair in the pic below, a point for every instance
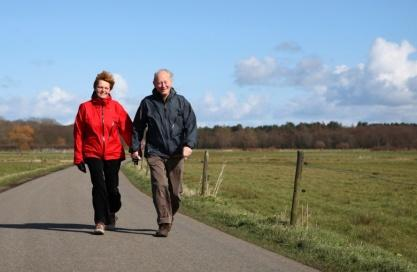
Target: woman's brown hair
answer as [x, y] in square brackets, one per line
[106, 76]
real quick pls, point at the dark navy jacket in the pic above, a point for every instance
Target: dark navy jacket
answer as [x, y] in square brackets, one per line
[171, 125]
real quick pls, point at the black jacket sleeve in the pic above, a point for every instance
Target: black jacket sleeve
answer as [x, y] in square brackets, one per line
[190, 126]
[139, 125]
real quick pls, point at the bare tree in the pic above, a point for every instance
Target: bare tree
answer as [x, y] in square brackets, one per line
[22, 136]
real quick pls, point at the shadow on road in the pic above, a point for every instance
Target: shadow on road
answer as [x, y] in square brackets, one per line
[136, 231]
[67, 227]
[82, 228]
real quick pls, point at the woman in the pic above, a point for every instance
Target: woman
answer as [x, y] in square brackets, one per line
[98, 124]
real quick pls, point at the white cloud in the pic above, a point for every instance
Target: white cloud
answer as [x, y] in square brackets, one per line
[309, 72]
[389, 63]
[340, 69]
[231, 109]
[253, 71]
[3, 109]
[120, 87]
[56, 103]
[412, 84]
[16, 107]
[388, 78]
[382, 89]
[120, 94]
[313, 109]
[54, 97]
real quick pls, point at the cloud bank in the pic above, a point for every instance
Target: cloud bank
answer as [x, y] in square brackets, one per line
[58, 103]
[270, 91]
[384, 88]
[230, 109]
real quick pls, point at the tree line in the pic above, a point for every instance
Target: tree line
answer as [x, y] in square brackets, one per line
[47, 133]
[311, 135]
[34, 134]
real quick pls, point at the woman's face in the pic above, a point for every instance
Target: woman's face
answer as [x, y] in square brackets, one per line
[103, 89]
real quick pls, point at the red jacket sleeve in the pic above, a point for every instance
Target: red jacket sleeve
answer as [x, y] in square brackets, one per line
[126, 126]
[78, 136]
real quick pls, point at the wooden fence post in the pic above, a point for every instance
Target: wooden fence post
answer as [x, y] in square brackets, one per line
[298, 170]
[204, 181]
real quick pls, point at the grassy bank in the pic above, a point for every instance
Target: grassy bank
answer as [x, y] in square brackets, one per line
[19, 167]
[361, 205]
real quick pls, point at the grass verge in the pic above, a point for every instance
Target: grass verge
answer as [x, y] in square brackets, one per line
[318, 247]
[16, 179]
[19, 167]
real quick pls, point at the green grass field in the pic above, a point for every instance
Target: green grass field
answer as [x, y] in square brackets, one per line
[18, 167]
[357, 208]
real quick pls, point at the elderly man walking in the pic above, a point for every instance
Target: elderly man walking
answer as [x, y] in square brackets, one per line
[171, 136]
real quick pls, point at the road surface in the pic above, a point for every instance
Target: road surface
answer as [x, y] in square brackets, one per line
[46, 225]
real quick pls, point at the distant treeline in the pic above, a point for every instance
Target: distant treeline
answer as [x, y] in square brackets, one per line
[34, 134]
[47, 133]
[311, 135]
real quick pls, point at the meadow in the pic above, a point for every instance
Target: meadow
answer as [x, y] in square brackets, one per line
[357, 208]
[19, 167]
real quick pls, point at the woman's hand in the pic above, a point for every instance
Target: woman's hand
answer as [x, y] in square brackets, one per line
[81, 167]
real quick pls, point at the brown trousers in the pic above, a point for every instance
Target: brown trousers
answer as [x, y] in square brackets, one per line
[166, 180]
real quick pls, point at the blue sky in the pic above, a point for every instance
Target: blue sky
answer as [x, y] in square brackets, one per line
[249, 62]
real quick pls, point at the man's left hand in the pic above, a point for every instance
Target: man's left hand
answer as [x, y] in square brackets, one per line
[186, 151]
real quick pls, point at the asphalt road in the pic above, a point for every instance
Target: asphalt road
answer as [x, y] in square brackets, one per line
[46, 225]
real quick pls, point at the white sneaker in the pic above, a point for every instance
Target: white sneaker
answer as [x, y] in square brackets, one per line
[99, 229]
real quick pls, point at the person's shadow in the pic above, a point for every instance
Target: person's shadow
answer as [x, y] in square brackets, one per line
[69, 227]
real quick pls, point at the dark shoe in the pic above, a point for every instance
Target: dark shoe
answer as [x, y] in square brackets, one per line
[163, 230]
[113, 219]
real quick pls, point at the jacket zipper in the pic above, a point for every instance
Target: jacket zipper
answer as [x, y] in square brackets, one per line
[102, 122]
[167, 125]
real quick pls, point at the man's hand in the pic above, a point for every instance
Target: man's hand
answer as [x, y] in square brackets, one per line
[135, 157]
[186, 152]
[81, 167]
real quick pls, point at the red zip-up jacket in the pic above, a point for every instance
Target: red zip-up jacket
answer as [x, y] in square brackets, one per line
[97, 127]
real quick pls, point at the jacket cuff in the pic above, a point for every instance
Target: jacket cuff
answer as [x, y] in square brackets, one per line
[132, 149]
[190, 145]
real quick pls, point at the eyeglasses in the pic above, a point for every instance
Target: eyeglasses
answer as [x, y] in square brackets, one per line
[103, 88]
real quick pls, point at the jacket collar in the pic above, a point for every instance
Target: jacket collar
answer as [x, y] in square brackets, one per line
[158, 96]
[95, 99]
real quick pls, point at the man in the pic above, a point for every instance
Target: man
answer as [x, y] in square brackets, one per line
[171, 135]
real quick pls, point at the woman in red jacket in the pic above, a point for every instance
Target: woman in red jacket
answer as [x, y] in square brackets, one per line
[98, 124]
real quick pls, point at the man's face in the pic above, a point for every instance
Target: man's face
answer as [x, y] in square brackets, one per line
[103, 89]
[163, 83]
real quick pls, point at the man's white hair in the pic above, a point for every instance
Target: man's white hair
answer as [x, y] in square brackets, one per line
[171, 75]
